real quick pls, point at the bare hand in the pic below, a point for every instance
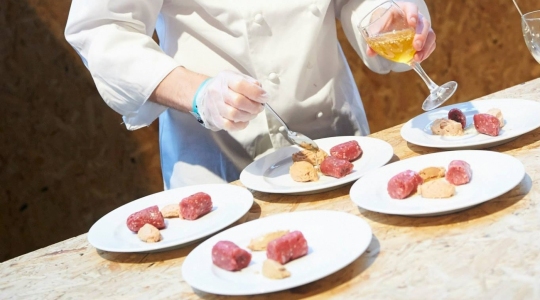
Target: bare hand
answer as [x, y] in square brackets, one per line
[424, 39]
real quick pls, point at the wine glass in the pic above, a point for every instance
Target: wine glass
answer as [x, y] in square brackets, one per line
[530, 25]
[387, 32]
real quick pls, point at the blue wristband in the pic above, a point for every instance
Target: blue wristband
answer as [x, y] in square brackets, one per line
[194, 108]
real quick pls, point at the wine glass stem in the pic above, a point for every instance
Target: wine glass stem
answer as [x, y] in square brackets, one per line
[431, 85]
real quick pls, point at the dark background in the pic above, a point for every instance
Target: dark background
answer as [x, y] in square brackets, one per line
[66, 159]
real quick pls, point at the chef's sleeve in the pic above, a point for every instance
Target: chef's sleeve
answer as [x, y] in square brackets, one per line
[350, 13]
[114, 41]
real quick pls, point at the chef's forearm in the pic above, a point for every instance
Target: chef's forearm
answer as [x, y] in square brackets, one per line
[177, 89]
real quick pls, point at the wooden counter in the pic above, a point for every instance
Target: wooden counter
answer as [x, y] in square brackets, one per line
[491, 251]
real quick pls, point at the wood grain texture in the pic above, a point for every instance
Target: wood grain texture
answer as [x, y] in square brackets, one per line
[489, 251]
[66, 159]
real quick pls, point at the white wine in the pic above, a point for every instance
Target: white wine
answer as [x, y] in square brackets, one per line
[387, 32]
[395, 45]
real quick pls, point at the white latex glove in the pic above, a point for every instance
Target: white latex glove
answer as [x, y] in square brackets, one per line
[229, 101]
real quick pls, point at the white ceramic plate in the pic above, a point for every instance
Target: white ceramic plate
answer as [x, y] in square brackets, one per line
[493, 174]
[270, 173]
[521, 116]
[331, 248]
[110, 233]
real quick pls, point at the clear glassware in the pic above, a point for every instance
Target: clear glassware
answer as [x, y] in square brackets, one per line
[530, 25]
[387, 32]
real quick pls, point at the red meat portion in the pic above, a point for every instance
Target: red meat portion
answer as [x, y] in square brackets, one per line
[288, 247]
[487, 124]
[457, 115]
[196, 205]
[150, 215]
[459, 172]
[228, 256]
[336, 167]
[403, 184]
[349, 150]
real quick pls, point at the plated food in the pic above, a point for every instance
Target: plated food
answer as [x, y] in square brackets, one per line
[280, 249]
[113, 232]
[150, 215]
[307, 252]
[485, 123]
[147, 222]
[308, 163]
[272, 173]
[259, 243]
[430, 182]
[228, 256]
[488, 123]
[472, 174]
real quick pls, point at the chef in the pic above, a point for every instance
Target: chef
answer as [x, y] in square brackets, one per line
[217, 62]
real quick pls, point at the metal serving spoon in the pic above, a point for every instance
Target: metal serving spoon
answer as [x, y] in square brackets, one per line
[295, 137]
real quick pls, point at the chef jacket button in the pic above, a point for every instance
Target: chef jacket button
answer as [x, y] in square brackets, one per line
[273, 77]
[281, 128]
[320, 114]
[258, 19]
[314, 10]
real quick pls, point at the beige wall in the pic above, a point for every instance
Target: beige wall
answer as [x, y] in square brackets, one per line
[65, 159]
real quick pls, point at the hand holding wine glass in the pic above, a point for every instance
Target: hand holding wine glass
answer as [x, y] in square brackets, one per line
[390, 34]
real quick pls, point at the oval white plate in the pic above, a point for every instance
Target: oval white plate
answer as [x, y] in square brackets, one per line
[230, 202]
[331, 248]
[270, 173]
[493, 174]
[520, 115]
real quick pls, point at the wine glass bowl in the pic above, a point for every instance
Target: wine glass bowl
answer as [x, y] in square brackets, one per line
[386, 31]
[530, 26]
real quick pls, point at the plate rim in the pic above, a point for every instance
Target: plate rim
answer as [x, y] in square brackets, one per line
[206, 245]
[495, 141]
[247, 204]
[437, 211]
[310, 188]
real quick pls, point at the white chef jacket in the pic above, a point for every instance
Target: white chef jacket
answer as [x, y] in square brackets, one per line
[290, 46]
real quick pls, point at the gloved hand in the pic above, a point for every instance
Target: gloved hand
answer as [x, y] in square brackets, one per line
[229, 101]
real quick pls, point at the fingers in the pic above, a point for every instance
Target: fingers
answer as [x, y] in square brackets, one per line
[231, 99]
[239, 108]
[411, 11]
[424, 38]
[243, 103]
[233, 117]
[246, 85]
[237, 99]
[428, 48]
[423, 28]
[250, 88]
[416, 20]
[370, 52]
[245, 95]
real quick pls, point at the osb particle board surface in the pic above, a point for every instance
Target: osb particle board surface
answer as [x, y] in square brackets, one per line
[482, 252]
[65, 159]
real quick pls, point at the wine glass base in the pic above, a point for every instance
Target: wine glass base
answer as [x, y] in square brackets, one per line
[439, 95]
